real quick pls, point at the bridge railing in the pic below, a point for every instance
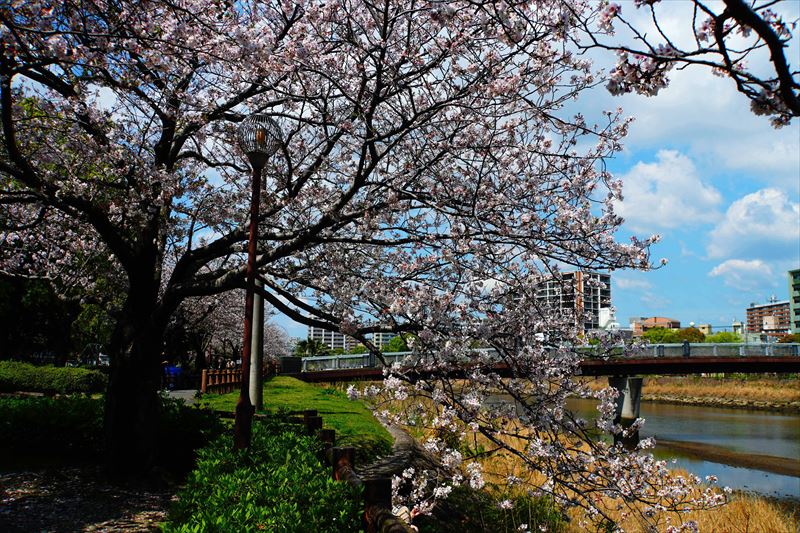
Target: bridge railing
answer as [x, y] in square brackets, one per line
[704, 349]
[337, 362]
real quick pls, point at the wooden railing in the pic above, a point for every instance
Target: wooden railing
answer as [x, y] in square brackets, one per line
[220, 381]
[378, 516]
[228, 379]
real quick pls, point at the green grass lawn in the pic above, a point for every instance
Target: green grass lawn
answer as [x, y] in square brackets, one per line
[352, 420]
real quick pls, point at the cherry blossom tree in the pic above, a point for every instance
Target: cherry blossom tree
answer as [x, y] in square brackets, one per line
[429, 180]
[211, 327]
[732, 38]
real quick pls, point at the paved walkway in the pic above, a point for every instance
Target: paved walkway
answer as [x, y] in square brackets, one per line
[406, 452]
[78, 499]
[187, 395]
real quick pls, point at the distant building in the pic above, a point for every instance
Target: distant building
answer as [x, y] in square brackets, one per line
[705, 329]
[333, 339]
[578, 293]
[737, 327]
[382, 339]
[641, 324]
[607, 319]
[794, 300]
[771, 319]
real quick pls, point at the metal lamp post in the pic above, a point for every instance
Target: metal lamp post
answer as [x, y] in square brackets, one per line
[259, 138]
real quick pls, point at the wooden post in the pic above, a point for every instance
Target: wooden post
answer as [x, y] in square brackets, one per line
[378, 492]
[204, 381]
[328, 437]
[342, 457]
[378, 515]
[313, 424]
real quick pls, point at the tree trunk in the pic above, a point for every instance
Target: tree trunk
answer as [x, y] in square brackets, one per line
[132, 403]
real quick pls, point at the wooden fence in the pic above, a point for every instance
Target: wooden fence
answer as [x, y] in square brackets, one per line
[378, 517]
[228, 379]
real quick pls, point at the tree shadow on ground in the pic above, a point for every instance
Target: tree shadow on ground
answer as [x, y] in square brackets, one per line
[78, 499]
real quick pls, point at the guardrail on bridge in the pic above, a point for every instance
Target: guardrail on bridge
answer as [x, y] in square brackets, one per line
[343, 362]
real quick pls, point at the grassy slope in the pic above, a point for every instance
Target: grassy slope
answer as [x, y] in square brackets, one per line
[352, 420]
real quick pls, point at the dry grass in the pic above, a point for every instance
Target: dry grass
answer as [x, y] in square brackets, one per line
[742, 514]
[756, 390]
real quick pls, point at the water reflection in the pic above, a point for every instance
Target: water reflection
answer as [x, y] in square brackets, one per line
[757, 432]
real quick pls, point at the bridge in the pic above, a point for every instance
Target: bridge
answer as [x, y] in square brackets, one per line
[659, 359]
[622, 370]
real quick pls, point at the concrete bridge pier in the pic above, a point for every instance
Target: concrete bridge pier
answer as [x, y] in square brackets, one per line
[628, 403]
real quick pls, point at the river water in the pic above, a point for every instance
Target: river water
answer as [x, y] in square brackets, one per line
[736, 430]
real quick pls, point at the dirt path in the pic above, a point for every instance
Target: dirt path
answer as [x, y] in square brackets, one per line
[68, 499]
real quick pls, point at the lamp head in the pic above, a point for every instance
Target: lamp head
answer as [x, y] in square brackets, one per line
[259, 138]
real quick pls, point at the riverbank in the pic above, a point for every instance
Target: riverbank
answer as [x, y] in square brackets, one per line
[781, 394]
[719, 454]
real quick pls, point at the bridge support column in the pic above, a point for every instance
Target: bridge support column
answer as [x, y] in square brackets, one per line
[628, 404]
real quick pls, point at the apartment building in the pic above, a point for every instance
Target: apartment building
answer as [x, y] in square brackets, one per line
[382, 339]
[580, 293]
[772, 318]
[333, 339]
[794, 300]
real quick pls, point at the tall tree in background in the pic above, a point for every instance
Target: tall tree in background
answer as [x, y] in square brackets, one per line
[429, 180]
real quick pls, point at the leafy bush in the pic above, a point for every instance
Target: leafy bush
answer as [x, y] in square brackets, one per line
[55, 427]
[72, 427]
[723, 337]
[673, 336]
[183, 430]
[16, 376]
[278, 485]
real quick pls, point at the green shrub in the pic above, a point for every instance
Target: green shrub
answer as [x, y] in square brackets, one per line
[277, 485]
[16, 376]
[55, 427]
[182, 431]
[72, 427]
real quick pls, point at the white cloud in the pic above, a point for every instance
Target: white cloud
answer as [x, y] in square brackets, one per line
[764, 224]
[658, 302]
[667, 194]
[744, 274]
[626, 283]
[702, 114]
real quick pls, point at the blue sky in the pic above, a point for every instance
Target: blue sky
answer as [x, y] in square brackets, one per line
[719, 184]
[721, 187]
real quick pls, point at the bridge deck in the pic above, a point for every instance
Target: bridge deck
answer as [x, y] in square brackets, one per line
[610, 367]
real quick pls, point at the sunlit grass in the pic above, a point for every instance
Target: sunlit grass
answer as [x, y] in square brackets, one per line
[353, 421]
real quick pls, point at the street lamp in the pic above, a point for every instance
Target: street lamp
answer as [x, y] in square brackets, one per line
[259, 138]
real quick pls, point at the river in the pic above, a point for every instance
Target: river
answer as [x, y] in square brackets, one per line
[703, 439]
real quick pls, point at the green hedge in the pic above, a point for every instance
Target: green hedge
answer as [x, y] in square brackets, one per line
[53, 427]
[278, 485]
[16, 376]
[50, 429]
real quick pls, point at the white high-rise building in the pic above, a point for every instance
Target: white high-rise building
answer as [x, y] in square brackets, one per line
[333, 339]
